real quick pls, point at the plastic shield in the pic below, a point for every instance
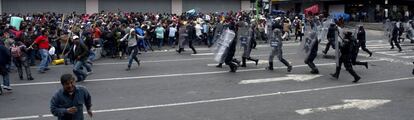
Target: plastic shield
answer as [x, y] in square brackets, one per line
[217, 32]
[182, 36]
[388, 29]
[244, 34]
[338, 38]
[275, 39]
[410, 32]
[222, 45]
[323, 29]
[310, 40]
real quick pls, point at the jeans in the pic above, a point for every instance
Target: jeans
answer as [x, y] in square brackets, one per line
[5, 74]
[45, 59]
[160, 42]
[20, 63]
[171, 41]
[133, 52]
[31, 57]
[6, 79]
[80, 74]
[92, 56]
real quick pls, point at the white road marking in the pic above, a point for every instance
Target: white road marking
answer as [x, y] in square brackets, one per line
[169, 75]
[156, 61]
[294, 77]
[348, 104]
[407, 56]
[202, 54]
[394, 60]
[248, 62]
[224, 99]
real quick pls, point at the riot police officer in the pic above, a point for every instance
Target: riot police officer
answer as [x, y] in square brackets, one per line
[244, 35]
[345, 58]
[362, 40]
[312, 44]
[394, 37]
[331, 37]
[231, 50]
[276, 49]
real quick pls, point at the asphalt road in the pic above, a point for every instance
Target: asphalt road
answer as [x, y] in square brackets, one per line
[172, 86]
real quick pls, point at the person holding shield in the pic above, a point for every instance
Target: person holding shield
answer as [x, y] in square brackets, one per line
[244, 35]
[276, 49]
[362, 40]
[331, 37]
[310, 47]
[346, 58]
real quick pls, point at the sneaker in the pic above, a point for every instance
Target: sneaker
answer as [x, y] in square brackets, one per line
[46, 69]
[30, 78]
[89, 62]
[8, 88]
[89, 73]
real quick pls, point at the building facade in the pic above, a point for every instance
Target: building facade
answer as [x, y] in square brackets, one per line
[94, 6]
[374, 9]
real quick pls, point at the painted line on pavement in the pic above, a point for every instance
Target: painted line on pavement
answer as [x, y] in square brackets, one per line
[171, 75]
[221, 99]
[155, 61]
[202, 54]
[248, 62]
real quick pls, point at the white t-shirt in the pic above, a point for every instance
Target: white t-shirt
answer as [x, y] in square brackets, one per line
[198, 29]
[173, 30]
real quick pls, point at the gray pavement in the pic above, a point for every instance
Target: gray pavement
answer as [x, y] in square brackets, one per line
[175, 86]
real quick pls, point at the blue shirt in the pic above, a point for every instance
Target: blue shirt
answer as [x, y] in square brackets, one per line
[62, 101]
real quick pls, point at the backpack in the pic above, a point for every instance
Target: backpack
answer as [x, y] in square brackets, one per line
[16, 52]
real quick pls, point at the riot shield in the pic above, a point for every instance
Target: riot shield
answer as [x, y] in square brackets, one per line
[310, 40]
[220, 48]
[323, 29]
[244, 36]
[388, 29]
[182, 38]
[275, 39]
[410, 33]
[217, 32]
[338, 38]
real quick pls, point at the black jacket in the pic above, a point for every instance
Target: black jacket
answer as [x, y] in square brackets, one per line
[331, 32]
[346, 51]
[231, 50]
[81, 50]
[5, 57]
[191, 32]
[361, 36]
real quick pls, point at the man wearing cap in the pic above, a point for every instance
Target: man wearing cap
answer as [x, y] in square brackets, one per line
[80, 54]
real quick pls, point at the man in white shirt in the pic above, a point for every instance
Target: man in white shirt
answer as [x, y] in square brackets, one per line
[171, 35]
